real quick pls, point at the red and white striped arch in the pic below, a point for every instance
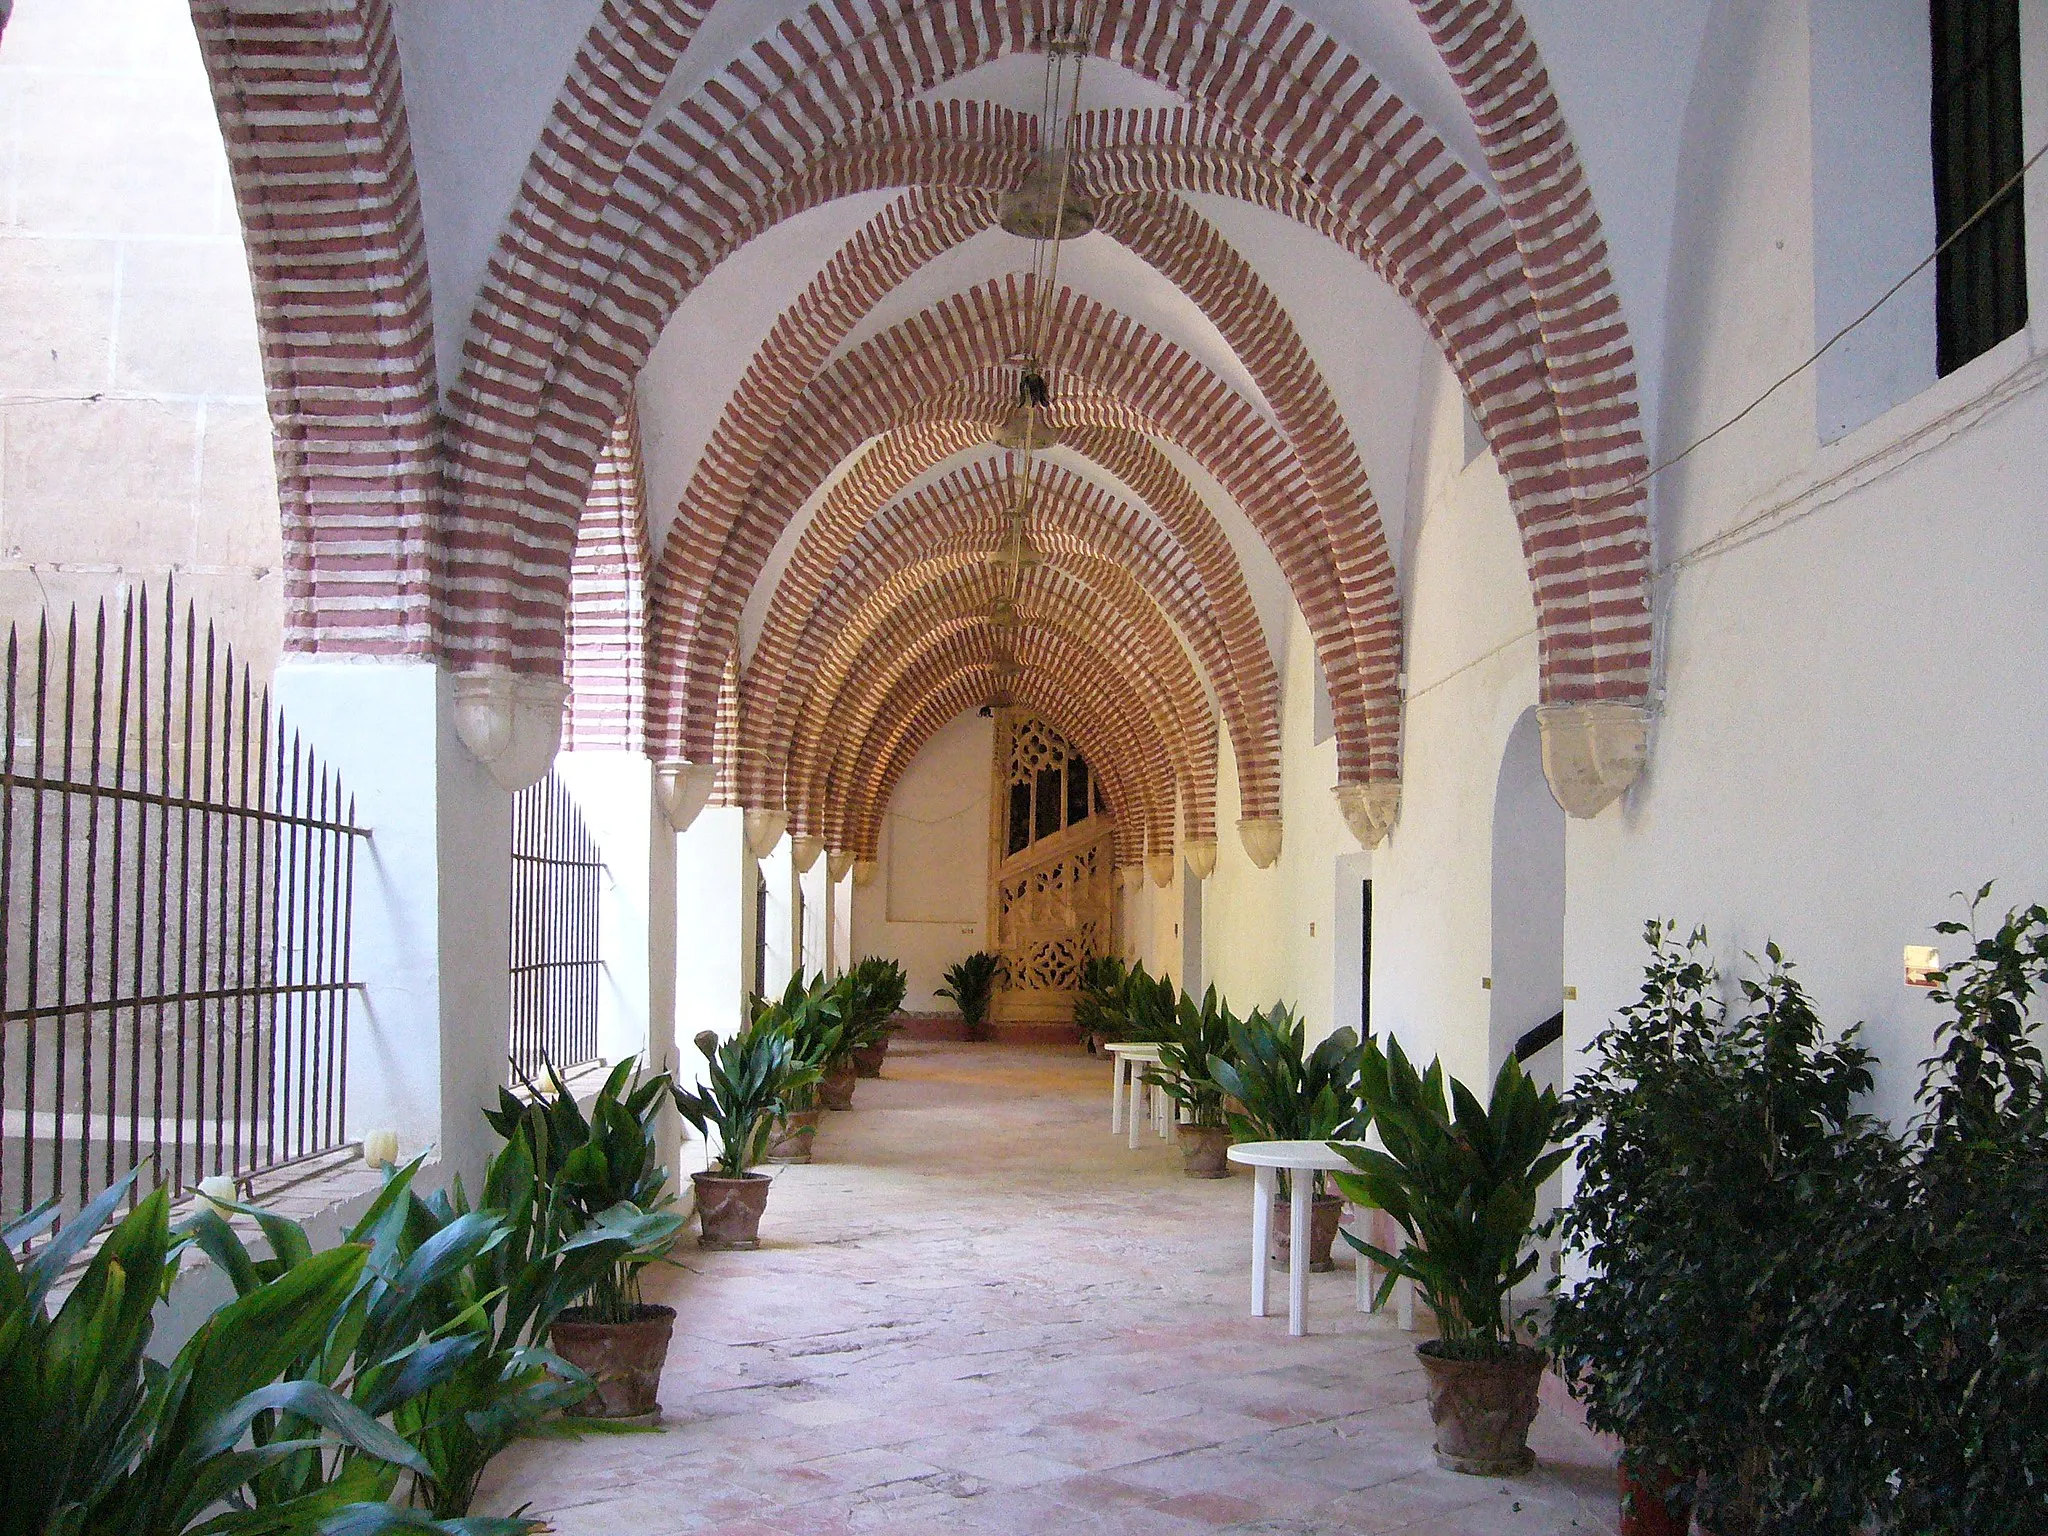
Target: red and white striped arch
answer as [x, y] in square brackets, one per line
[1178, 242]
[1139, 381]
[1063, 677]
[741, 151]
[1138, 661]
[606, 667]
[963, 517]
[1515, 287]
[858, 812]
[313, 112]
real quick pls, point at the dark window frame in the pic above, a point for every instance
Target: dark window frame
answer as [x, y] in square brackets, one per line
[1978, 145]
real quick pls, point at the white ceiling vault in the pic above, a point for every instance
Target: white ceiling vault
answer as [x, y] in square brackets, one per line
[766, 227]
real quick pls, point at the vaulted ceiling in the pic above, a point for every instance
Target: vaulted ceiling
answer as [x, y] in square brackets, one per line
[684, 331]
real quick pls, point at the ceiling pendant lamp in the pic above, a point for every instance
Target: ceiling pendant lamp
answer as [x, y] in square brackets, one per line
[1047, 205]
[1025, 429]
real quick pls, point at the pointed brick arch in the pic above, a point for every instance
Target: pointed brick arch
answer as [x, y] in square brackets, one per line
[312, 108]
[731, 156]
[605, 651]
[1062, 678]
[1133, 647]
[962, 517]
[1146, 381]
[859, 810]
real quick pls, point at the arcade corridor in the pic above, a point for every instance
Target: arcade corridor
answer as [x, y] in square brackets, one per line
[979, 1312]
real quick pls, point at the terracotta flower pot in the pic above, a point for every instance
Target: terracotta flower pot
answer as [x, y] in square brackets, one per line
[1482, 1409]
[622, 1360]
[1324, 1214]
[729, 1210]
[835, 1088]
[1655, 1501]
[1204, 1151]
[868, 1059]
[794, 1133]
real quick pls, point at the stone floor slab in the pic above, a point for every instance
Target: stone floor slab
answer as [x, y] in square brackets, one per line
[978, 1312]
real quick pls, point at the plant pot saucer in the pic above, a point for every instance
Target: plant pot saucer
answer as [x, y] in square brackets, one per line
[1482, 1466]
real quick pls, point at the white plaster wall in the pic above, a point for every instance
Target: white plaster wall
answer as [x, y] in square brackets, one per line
[1850, 729]
[714, 906]
[1850, 641]
[1528, 897]
[1271, 935]
[134, 437]
[614, 792]
[928, 904]
[430, 936]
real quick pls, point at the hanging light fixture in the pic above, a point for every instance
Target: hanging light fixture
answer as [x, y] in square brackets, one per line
[1047, 205]
[1025, 429]
[1046, 209]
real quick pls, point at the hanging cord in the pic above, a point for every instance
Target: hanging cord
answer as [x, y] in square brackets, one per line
[1045, 263]
[1825, 347]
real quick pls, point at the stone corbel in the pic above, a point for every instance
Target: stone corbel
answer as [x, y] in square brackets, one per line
[1593, 752]
[683, 789]
[1261, 838]
[764, 831]
[1369, 809]
[804, 849]
[512, 725]
[864, 872]
[1160, 867]
[1133, 877]
[838, 865]
[1200, 853]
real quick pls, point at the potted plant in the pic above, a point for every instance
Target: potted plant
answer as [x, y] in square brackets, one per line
[100, 1438]
[971, 984]
[1098, 1007]
[593, 1169]
[875, 991]
[1909, 1388]
[811, 1015]
[838, 1076]
[1282, 1091]
[1707, 1144]
[1460, 1180]
[1200, 1034]
[750, 1076]
[444, 1334]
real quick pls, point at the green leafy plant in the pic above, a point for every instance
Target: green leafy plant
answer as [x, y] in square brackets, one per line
[752, 1076]
[813, 1017]
[1201, 1037]
[1460, 1179]
[1098, 1006]
[1282, 1090]
[1909, 1387]
[604, 1163]
[971, 983]
[443, 1332]
[1705, 1145]
[100, 1439]
[875, 989]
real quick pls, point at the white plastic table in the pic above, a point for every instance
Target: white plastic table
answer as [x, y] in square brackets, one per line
[1132, 1058]
[1266, 1159]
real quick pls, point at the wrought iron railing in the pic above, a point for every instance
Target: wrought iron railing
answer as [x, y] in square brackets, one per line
[175, 883]
[557, 884]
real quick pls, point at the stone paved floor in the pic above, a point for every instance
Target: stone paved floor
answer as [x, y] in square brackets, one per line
[978, 1312]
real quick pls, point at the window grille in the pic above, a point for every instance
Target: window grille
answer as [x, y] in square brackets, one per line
[557, 885]
[1981, 280]
[176, 874]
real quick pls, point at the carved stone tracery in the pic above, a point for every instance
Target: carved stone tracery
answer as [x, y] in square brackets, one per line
[1052, 904]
